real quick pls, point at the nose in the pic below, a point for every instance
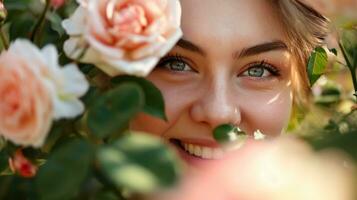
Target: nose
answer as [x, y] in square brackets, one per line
[216, 105]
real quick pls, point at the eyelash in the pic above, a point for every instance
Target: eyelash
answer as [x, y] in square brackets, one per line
[177, 57]
[265, 65]
[171, 58]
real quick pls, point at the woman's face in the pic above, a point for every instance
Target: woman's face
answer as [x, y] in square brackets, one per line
[232, 66]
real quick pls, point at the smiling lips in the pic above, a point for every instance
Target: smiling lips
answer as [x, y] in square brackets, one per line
[211, 152]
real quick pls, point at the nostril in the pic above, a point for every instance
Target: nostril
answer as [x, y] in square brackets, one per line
[216, 116]
[216, 108]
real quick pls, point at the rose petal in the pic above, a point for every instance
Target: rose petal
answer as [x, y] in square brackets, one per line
[139, 68]
[76, 23]
[73, 77]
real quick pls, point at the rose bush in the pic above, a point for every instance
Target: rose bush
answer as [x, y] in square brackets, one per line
[60, 117]
[123, 37]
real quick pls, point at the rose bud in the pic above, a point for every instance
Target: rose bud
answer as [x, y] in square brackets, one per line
[3, 11]
[57, 3]
[21, 165]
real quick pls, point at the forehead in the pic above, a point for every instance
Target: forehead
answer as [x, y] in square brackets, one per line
[230, 23]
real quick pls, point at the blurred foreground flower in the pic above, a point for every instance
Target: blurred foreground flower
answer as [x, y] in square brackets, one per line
[278, 169]
[35, 90]
[123, 37]
[21, 165]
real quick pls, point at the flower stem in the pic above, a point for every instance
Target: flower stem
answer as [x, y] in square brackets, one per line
[350, 67]
[35, 35]
[3, 38]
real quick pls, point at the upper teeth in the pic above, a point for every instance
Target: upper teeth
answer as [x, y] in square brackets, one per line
[216, 153]
[203, 152]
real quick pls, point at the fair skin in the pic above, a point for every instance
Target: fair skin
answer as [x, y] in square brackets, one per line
[232, 66]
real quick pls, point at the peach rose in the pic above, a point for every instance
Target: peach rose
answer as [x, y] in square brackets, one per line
[34, 91]
[123, 37]
[26, 106]
[66, 84]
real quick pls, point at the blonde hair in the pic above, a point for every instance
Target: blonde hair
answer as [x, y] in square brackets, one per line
[305, 29]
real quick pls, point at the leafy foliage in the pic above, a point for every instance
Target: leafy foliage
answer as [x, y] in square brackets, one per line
[123, 164]
[341, 130]
[68, 165]
[113, 110]
[154, 104]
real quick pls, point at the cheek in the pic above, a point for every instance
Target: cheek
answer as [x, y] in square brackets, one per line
[269, 112]
[177, 99]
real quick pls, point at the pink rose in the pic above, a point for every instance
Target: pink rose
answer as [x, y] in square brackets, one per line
[123, 37]
[26, 106]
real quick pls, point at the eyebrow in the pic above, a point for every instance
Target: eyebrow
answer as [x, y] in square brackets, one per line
[261, 48]
[190, 46]
[245, 52]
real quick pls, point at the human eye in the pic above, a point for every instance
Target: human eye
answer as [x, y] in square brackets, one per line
[175, 63]
[261, 70]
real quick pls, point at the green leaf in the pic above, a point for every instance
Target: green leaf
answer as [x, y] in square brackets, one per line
[346, 142]
[331, 93]
[22, 26]
[17, 5]
[227, 133]
[154, 101]
[106, 195]
[113, 110]
[65, 170]
[317, 64]
[139, 162]
[3, 161]
[2, 143]
[16, 187]
[56, 21]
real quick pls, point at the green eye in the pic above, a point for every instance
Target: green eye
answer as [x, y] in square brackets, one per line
[256, 71]
[177, 65]
[261, 70]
